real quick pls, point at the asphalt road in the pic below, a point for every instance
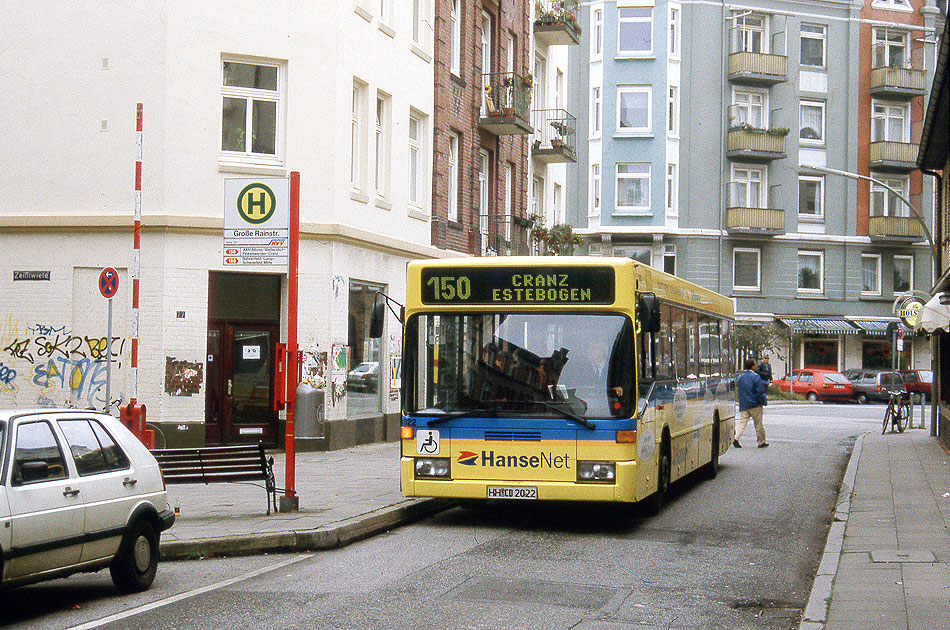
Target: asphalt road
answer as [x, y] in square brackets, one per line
[739, 551]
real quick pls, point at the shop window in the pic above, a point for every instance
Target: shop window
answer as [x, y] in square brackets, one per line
[821, 353]
[364, 378]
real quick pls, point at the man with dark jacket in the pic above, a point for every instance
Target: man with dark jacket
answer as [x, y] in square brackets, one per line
[765, 370]
[751, 393]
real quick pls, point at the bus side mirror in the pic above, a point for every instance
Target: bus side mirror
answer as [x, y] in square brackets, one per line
[648, 311]
[377, 318]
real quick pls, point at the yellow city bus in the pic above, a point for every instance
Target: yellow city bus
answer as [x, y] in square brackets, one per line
[561, 378]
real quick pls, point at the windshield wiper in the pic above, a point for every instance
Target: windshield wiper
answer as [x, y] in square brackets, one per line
[570, 415]
[436, 416]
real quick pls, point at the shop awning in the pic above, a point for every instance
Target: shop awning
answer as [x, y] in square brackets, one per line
[878, 328]
[933, 315]
[820, 325]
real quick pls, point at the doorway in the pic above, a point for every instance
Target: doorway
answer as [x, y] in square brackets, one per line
[244, 313]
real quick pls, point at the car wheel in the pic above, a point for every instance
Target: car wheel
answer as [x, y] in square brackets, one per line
[862, 399]
[812, 397]
[134, 567]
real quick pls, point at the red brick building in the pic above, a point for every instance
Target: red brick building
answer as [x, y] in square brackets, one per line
[481, 126]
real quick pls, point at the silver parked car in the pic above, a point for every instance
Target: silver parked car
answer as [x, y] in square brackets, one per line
[78, 492]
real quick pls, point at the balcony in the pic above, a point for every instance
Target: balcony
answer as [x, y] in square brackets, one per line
[905, 229]
[893, 156]
[555, 136]
[898, 83]
[506, 102]
[756, 145]
[556, 22]
[755, 221]
[751, 68]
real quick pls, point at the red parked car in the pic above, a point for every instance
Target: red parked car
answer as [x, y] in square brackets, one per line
[918, 382]
[817, 384]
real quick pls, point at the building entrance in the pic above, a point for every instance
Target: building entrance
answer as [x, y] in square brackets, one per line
[244, 312]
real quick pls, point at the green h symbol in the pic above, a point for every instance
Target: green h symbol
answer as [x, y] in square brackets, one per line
[259, 204]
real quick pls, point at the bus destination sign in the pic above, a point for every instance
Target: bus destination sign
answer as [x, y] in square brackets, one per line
[518, 285]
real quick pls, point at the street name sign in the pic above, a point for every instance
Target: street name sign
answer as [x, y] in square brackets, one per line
[257, 221]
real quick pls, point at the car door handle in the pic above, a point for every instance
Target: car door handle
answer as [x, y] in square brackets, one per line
[129, 482]
[70, 493]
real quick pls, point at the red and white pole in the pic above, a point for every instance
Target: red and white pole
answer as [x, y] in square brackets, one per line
[290, 502]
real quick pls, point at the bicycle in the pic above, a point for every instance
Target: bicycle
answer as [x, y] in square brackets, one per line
[898, 412]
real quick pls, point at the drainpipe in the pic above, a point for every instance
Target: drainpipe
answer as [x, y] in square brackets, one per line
[935, 359]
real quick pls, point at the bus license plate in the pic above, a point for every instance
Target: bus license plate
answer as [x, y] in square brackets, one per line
[512, 492]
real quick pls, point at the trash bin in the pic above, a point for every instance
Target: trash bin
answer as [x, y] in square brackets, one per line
[308, 418]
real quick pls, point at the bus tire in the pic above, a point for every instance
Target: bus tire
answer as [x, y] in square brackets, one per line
[654, 503]
[712, 468]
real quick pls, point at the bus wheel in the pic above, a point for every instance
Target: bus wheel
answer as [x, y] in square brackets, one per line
[654, 503]
[712, 468]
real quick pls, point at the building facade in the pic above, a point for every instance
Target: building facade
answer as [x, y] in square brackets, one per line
[707, 156]
[235, 91]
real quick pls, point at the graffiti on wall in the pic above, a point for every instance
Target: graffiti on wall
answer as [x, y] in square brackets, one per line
[51, 365]
[183, 378]
[339, 363]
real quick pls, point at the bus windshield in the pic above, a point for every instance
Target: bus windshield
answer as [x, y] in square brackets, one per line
[520, 364]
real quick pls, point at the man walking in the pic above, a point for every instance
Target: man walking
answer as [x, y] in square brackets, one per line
[751, 393]
[765, 370]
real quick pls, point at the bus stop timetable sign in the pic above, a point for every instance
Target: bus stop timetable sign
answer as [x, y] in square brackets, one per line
[256, 221]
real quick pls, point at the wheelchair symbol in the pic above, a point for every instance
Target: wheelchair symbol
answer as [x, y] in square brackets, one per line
[427, 442]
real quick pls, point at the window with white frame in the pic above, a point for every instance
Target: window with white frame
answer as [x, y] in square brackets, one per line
[455, 37]
[746, 268]
[812, 122]
[673, 108]
[538, 85]
[417, 159]
[455, 141]
[597, 33]
[510, 53]
[251, 110]
[669, 259]
[483, 198]
[749, 108]
[903, 274]
[486, 34]
[509, 198]
[870, 274]
[813, 45]
[884, 203]
[385, 11]
[672, 201]
[537, 196]
[751, 32]
[420, 18]
[357, 142]
[890, 49]
[748, 187]
[811, 197]
[633, 108]
[894, 5]
[674, 32]
[595, 114]
[594, 208]
[633, 187]
[558, 214]
[383, 143]
[635, 30]
[559, 89]
[889, 122]
[811, 271]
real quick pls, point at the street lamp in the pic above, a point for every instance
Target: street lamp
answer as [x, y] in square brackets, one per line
[897, 193]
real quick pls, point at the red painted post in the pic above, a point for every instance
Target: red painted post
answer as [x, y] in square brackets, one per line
[289, 502]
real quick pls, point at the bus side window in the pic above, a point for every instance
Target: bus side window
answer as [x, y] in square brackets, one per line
[664, 363]
[680, 354]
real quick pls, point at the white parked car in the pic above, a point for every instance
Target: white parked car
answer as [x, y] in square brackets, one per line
[78, 492]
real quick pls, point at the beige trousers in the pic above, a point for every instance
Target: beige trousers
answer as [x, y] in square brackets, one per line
[754, 414]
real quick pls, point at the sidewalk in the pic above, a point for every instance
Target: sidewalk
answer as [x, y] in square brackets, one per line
[344, 495]
[887, 560]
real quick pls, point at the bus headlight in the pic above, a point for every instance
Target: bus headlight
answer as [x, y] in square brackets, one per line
[432, 467]
[604, 472]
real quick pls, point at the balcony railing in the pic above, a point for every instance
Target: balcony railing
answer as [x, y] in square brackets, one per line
[885, 228]
[893, 156]
[750, 143]
[751, 68]
[898, 82]
[763, 221]
[506, 102]
[555, 22]
[555, 136]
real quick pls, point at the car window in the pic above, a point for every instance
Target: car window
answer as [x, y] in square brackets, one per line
[892, 380]
[807, 377]
[909, 377]
[93, 450]
[38, 456]
[926, 376]
[834, 377]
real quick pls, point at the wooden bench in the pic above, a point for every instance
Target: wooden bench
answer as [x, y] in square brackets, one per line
[219, 464]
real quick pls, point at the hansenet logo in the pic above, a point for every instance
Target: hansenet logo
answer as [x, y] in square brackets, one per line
[488, 458]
